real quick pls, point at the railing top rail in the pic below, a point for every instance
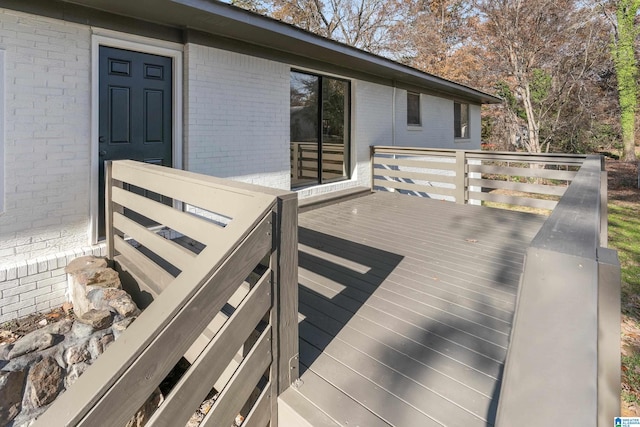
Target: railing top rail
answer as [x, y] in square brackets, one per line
[479, 154]
[181, 311]
[236, 187]
[574, 225]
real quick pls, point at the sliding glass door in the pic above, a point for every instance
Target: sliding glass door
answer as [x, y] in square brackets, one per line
[319, 129]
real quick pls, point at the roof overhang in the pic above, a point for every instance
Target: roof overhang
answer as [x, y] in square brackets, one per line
[230, 22]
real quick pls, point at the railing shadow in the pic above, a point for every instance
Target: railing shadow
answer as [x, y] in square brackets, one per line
[416, 324]
[347, 270]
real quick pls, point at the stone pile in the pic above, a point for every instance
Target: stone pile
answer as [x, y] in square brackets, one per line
[39, 366]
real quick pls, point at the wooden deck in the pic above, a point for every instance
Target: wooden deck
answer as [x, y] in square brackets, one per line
[405, 310]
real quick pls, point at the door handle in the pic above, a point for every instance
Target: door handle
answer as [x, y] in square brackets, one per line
[102, 153]
[101, 139]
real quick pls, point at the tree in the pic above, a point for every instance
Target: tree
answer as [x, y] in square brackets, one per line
[626, 67]
[436, 36]
[545, 51]
[364, 24]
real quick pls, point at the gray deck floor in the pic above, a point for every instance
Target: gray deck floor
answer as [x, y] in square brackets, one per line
[405, 310]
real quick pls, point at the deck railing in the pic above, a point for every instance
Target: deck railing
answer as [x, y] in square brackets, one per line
[503, 179]
[304, 162]
[563, 361]
[221, 267]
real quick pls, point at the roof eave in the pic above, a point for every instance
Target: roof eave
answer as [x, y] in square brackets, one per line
[228, 21]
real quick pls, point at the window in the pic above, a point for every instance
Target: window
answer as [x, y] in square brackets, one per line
[320, 108]
[413, 109]
[461, 120]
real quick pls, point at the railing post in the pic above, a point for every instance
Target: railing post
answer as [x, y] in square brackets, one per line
[108, 206]
[604, 210]
[295, 160]
[608, 335]
[372, 154]
[287, 290]
[461, 177]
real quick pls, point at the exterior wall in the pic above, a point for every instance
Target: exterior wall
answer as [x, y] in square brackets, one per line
[46, 152]
[236, 125]
[237, 116]
[47, 136]
[437, 124]
[373, 125]
[37, 285]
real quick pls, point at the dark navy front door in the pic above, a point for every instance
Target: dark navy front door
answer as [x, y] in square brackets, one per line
[136, 115]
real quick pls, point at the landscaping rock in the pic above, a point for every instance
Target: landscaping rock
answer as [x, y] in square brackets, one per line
[81, 330]
[77, 354]
[85, 274]
[74, 372]
[97, 345]
[144, 413]
[113, 299]
[36, 368]
[11, 387]
[36, 340]
[120, 326]
[45, 381]
[98, 319]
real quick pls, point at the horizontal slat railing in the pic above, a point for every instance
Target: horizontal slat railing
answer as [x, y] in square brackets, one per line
[193, 282]
[304, 160]
[564, 353]
[503, 179]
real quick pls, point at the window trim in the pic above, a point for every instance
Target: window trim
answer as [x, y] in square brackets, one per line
[419, 123]
[455, 130]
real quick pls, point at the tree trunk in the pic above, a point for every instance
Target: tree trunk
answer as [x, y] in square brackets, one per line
[627, 73]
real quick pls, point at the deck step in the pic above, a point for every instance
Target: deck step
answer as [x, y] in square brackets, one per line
[295, 410]
[330, 408]
[315, 202]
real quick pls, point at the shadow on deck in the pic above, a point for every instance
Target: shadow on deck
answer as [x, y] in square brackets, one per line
[405, 310]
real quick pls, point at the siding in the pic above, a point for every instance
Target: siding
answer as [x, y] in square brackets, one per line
[237, 116]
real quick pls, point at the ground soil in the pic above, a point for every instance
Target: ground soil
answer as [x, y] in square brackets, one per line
[623, 181]
[15, 329]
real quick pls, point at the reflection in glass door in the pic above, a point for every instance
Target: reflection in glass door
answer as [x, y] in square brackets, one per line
[319, 129]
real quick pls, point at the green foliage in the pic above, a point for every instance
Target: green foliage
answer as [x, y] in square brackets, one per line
[626, 66]
[631, 377]
[486, 129]
[540, 85]
[504, 91]
[624, 235]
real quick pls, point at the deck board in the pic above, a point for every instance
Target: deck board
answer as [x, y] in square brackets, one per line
[405, 309]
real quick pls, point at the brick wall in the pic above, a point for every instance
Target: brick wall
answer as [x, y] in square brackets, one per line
[237, 116]
[373, 124]
[47, 136]
[39, 284]
[437, 124]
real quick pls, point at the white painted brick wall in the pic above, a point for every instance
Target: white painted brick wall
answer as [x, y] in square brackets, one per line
[37, 285]
[373, 124]
[437, 124]
[237, 116]
[47, 139]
